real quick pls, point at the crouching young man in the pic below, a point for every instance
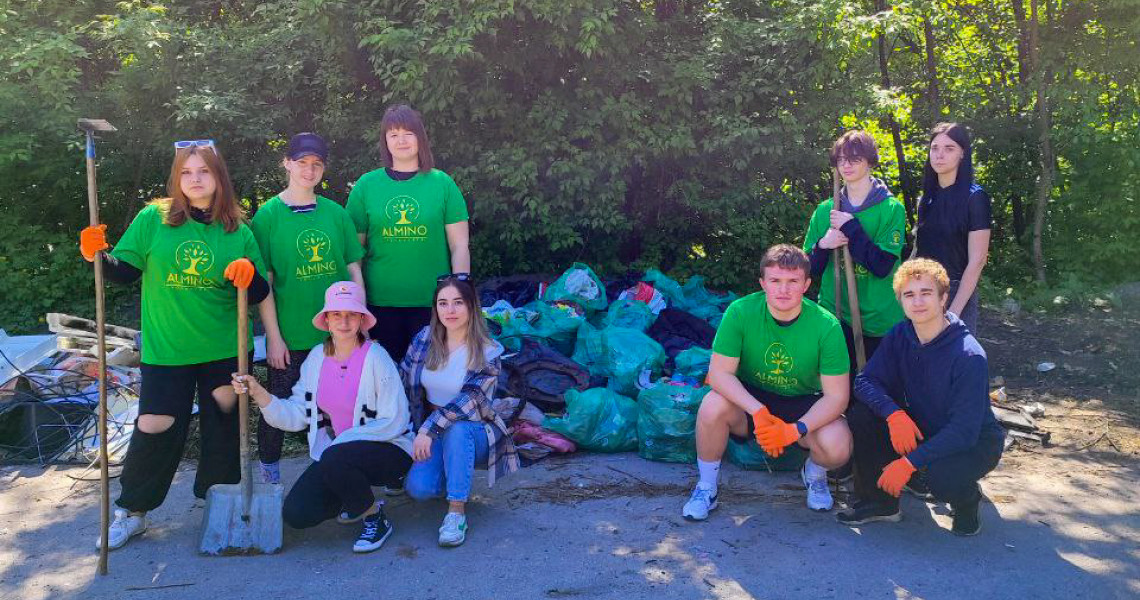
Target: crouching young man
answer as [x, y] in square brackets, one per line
[778, 372]
[923, 405]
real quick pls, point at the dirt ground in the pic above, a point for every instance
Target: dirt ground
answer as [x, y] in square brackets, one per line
[1060, 522]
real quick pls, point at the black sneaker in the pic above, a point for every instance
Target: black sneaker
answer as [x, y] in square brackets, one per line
[918, 487]
[377, 528]
[865, 511]
[966, 522]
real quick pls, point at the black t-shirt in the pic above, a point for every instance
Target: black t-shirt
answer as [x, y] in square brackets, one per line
[945, 222]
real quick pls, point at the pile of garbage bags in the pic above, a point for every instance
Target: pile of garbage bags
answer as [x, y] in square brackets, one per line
[614, 366]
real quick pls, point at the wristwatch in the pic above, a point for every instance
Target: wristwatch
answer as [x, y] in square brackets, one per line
[800, 427]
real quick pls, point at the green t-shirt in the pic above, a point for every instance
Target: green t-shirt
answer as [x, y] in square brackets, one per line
[189, 310]
[885, 224]
[307, 252]
[407, 245]
[785, 360]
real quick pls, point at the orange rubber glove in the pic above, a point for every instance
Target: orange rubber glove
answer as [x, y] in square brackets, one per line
[777, 435]
[92, 241]
[240, 272]
[904, 433]
[895, 476]
[761, 418]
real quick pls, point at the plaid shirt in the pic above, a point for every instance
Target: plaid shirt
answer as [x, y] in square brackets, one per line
[472, 404]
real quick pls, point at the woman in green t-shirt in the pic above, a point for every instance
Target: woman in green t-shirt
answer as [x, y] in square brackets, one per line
[184, 248]
[308, 243]
[412, 219]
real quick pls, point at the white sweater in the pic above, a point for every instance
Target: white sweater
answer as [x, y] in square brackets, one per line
[381, 413]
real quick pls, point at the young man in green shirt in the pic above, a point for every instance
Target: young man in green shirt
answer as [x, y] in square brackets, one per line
[779, 372]
[871, 222]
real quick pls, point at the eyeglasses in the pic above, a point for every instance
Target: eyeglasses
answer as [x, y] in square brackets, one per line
[195, 144]
[849, 160]
[465, 277]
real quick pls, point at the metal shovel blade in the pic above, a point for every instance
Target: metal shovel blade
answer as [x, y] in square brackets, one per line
[225, 531]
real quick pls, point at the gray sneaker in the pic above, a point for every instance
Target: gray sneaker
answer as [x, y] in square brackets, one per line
[453, 531]
[818, 494]
[700, 503]
[123, 528]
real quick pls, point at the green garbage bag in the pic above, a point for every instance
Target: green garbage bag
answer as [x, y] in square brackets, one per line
[555, 325]
[598, 420]
[633, 314]
[579, 284]
[752, 457]
[693, 362]
[668, 288]
[619, 353]
[667, 422]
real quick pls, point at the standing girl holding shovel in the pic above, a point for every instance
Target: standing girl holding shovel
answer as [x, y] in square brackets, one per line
[191, 251]
[308, 243]
[871, 222]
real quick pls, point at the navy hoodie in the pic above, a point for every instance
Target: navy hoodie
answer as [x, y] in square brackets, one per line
[944, 385]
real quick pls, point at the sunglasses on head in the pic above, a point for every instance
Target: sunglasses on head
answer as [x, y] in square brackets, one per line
[454, 276]
[195, 144]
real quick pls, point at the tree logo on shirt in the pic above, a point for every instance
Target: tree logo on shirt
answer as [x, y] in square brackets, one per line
[194, 259]
[314, 246]
[403, 211]
[896, 237]
[312, 243]
[778, 357]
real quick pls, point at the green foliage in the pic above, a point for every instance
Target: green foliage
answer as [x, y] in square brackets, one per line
[42, 272]
[672, 134]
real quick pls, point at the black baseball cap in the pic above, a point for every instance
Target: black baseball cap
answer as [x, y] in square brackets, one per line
[307, 144]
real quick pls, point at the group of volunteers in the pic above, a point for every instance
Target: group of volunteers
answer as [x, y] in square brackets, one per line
[377, 348]
[345, 296]
[917, 416]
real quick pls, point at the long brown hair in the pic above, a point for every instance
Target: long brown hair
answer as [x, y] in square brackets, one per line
[478, 340]
[402, 116]
[224, 209]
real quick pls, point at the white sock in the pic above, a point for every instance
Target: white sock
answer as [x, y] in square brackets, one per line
[709, 473]
[813, 470]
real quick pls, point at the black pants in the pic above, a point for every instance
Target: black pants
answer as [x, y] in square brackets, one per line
[870, 345]
[152, 458]
[281, 382]
[396, 326]
[952, 479]
[343, 480]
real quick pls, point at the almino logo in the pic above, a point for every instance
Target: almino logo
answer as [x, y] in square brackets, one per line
[195, 259]
[403, 211]
[314, 247]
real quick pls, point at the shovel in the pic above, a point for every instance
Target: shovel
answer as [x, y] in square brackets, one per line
[90, 127]
[852, 290]
[243, 517]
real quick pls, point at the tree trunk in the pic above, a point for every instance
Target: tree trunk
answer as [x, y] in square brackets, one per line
[1045, 146]
[896, 133]
[931, 70]
[1023, 66]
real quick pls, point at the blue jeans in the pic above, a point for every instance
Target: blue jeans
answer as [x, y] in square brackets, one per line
[454, 456]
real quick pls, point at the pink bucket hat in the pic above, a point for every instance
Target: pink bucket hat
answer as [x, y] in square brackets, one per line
[347, 296]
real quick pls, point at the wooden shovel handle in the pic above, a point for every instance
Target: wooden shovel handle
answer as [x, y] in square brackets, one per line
[243, 401]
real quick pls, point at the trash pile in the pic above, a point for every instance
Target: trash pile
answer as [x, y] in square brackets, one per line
[50, 395]
[615, 367]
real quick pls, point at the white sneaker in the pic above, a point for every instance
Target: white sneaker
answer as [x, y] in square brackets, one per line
[453, 531]
[818, 494]
[124, 527]
[700, 503]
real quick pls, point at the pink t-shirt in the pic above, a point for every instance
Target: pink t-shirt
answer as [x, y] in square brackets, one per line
[337, 387]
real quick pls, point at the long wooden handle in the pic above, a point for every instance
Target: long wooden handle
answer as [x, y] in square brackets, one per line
[101, 334]
[853, 305]
[243, 402]
[835, 251]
